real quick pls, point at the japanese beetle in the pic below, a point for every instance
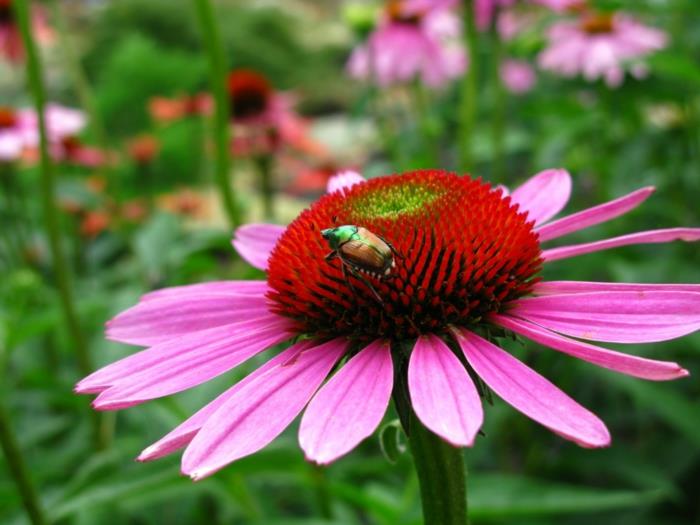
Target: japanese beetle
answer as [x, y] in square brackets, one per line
[360, 250]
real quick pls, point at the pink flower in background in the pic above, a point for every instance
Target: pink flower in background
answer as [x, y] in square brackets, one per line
[19, 129]
[466, 258]
[264, 119]
[413, 40]
[11, 47]
[518, 76]
[165, 110]
[561, 5]
[485, 10]
[600, 46]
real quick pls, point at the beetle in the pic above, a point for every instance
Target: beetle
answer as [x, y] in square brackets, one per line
[360, 250]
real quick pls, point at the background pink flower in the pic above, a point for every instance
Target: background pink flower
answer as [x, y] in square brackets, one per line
[409, 44]
[518, 76]
[599, 46]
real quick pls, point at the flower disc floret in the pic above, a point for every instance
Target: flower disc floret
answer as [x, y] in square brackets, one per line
[462, 251]
[250, 93]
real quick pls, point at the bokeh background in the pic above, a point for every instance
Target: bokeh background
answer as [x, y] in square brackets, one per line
[139, 210]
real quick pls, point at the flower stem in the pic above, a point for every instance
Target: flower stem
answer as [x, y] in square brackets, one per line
[439, 466]
[221, 125]
[50, 210]
[467, 110]
[441, 475]
[18, 470]
[267, 189]
[499, 103]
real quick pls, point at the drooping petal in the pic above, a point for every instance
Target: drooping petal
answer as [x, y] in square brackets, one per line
[260, 411]
[185, 432]
[564, 287]
[210, 288]
[443, 395]
[254, 242]
[595, 215]
[544, 195]
[158, 320]
[614, 317]
[623, 363]
[183, 363]
[349, 406]
[343, 181]
[530, 393]
[646, 237]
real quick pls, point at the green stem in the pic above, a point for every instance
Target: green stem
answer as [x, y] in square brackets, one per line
[221, 127]
[499, 104]
[427, 123]
[18, 470]
[442, 477]
[50, 210]
[267, 190]
[439, 466]
[468, 106]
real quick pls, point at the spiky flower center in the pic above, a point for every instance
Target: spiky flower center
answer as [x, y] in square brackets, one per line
[598, 24]
[462, 251]
[250, 93]
[8, 118]
[396, 12]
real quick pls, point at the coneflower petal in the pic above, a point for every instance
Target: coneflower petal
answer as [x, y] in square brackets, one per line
[158, 320]
[614, 317]
[210, 288]
[254, 242]
[646, 237]
[343, 180]
[185, 432]
[544, 195]
[595, 215]
[261, 410]
[443, 395]
[349, 406]
[530, 393]
[183, 363]
[569, 287]
[617, 361]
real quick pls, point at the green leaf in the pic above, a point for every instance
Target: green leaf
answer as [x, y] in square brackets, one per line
[496, 495]
[391, 441]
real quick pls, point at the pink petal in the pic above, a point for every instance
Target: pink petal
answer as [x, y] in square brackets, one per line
[647, 237]
[594, 215]
[180, 364]
[212, 287]
[344, 180]
[260, 411]
[615, 317]
[254, 242]
[544, 195]
[567, 287]
[185, 432]
[443, 395]
[349, 406]
[158, 320]
[530, 393]
[623, 363]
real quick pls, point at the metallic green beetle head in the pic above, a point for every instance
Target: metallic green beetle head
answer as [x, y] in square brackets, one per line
[339, 235]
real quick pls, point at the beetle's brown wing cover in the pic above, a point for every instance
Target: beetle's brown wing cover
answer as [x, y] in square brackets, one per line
[363, 256]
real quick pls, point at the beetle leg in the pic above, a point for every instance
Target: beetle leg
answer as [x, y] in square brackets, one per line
[332, 255]
[367, 283]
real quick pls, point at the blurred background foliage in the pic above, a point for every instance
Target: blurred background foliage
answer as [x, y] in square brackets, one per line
[612, 141]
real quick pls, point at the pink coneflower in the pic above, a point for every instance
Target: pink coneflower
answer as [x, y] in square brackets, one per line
[264, 118]
[165, 110]
[518, 76]
[466, 259]
[11, 47]
[19, 129]
[600, 46]
[413, 40]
